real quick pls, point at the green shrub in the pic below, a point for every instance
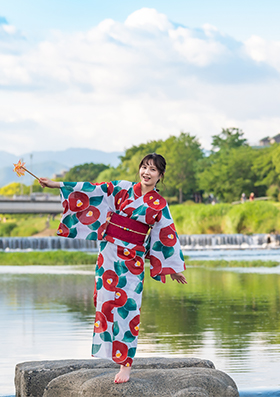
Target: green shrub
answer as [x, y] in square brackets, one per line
[24, 231]
[7, 228]
[252, 217]
[199, 218]
[273, 192]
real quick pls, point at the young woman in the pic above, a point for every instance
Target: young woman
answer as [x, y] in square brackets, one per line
[133, 222]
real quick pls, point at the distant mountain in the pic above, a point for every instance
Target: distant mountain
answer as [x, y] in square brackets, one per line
[44, 169]
[48, 163]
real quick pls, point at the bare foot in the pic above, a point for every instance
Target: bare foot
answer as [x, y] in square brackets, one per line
[123, 375]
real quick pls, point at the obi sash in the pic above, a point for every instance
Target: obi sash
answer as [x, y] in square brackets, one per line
[126, 229]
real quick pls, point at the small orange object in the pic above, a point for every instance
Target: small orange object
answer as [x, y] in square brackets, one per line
[20, 169]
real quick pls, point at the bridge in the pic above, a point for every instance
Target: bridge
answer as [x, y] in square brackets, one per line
[30, 207]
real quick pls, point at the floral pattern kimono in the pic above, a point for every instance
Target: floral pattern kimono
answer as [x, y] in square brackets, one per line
[119, 273]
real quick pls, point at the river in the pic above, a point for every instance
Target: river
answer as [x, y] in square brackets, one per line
[229, 316]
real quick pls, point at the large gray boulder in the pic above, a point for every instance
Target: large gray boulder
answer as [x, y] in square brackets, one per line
[189, 377]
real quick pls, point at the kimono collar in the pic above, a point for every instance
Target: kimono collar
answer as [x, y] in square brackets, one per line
[138, 192]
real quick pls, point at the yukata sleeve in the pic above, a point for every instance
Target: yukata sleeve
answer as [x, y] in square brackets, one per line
[85, 209]
[166, 256]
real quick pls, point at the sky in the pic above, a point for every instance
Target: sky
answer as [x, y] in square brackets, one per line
[109, 75]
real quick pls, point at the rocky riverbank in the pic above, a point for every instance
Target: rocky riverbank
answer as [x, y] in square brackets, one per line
[184, 377]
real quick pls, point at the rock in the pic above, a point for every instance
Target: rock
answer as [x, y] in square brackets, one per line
[178, 377]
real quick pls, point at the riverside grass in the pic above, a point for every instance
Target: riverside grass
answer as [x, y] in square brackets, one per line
[47, 258]
[247, 218]
[60, 258]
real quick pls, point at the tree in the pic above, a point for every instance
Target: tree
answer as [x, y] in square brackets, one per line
[267, 167]
[85, 172]
[229, 173]
[182, 155]
[229, 138]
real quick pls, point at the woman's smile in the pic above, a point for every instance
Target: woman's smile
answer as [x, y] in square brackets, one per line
[149, 176]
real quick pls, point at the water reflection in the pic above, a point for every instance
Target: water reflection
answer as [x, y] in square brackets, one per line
[228, 316]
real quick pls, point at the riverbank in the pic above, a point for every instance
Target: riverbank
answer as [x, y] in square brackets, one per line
[58, 258]
[47, 258]
[248, 218]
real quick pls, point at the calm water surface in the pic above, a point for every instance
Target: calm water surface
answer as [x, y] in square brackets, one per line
[229, 316]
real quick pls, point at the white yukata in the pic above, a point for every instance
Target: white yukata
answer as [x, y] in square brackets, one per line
[120, 266]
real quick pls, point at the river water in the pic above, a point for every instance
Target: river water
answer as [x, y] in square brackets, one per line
[229, 316]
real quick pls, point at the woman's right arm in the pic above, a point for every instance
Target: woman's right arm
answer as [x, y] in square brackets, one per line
[46, 182]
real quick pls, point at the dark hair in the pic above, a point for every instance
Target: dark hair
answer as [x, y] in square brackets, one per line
[158, 160]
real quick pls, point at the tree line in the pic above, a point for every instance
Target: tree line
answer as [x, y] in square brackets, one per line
[230, 168]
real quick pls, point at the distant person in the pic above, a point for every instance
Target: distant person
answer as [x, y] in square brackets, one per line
[243, 198]
[133, 222]
[252, 196]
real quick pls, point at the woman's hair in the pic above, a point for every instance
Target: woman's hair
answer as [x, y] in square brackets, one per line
[158, 160]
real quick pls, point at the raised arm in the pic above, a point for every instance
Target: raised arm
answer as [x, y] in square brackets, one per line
[45, 182]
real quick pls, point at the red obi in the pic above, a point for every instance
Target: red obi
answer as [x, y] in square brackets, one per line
[126, 229]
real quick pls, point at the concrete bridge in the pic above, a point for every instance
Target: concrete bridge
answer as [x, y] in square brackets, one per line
[30, 207]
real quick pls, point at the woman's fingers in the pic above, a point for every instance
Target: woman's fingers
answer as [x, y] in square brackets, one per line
[179, 277]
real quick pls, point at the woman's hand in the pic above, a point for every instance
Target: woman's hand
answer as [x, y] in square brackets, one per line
[179, 277]
[46, 182]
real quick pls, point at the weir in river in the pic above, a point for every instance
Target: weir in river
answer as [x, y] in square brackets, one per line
[46, 243]
[188, 242]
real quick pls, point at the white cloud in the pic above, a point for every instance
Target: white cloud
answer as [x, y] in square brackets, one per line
[120, 84]
[264, 51]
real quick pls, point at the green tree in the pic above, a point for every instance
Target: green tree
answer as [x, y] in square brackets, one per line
[229, 138]
[229, 173]
[85, 172]
[182, 155]
[267, 169]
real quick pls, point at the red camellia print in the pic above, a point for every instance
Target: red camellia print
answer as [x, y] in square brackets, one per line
[107, 308]
[167, 236]
[119, 352]
[120, 300]
[110, 189]
[135, 265]
[65, 206]
[152, 216]
[89, 215]
[154, 200]
[95, 294]
[100, 324]
[120, 197]
[125, 253]
[128, 362]
[156, 266]
[137, 190]
[125, 204]
[128, 211]
[101, 231]
[110, 280]
[63, 230]
[134, 325]
[78, 201]
[100, 260]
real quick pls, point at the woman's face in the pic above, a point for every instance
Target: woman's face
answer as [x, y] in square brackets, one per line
[149, 175]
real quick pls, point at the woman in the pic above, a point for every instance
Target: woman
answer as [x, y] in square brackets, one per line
[133, 222]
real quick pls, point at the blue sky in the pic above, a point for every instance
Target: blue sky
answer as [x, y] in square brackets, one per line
[239, 18]
[109, 74]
